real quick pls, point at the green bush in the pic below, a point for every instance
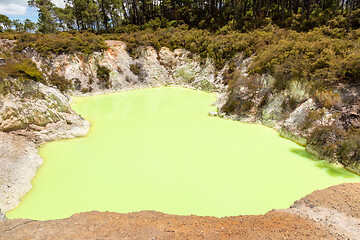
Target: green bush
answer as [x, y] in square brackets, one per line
[103, 74]
[60, 82]
[27, 69]
[62, 42]
[135, 69]
[206, 86]
[327, 140]
[17, 66]
[349, 151]
[320, 58]
[22, 68]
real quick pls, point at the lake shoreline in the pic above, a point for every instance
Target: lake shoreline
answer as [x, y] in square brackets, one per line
[332, 213]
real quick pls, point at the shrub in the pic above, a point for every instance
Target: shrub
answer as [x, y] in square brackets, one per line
[320, 58]
[21, 68]
[135, 69]
[327, 140]
[103, 74]
[349, 151]
[205, 85]
[327, 99]
[27, 69]
[62, 42]
[60, 82]
[350, 68]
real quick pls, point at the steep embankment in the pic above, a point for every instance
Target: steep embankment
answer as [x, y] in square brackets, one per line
[114, 69]
[40, 113]
[332, 213]
[18, 160]
[30, 113]
[326, 122]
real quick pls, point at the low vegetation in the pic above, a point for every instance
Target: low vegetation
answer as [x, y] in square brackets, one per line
[19, 67]
[321, 57]
[103, 74]
[59, 43]
[135, 69]
[60, 82]
[337, 144]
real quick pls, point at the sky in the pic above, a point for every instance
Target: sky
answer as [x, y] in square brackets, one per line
[19, 9]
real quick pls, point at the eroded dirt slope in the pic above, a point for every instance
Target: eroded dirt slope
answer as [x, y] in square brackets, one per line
[332, 213]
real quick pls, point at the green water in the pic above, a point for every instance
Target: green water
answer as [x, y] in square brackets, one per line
[157, 149]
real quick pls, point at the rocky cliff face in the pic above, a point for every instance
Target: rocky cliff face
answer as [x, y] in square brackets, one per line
[37, 111]
[19, 161]
[42, 113]
[148, 69]
[32, 113]
[326, 122]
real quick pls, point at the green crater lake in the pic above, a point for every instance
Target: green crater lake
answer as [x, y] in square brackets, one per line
[157, 149]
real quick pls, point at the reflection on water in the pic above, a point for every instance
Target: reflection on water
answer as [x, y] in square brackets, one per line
[334, 171]
[301, 152]
[330, 169]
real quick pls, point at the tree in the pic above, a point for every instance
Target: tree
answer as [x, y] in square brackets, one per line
[5, 22]
[107, 15]
[65, 17]
[46, 22]
[29, 26]
[19, 26]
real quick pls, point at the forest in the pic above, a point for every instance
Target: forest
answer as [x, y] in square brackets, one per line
[314, 41]
[244, 15]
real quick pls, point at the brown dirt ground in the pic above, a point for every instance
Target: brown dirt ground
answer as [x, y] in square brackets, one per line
[276, 224]
[344, 198]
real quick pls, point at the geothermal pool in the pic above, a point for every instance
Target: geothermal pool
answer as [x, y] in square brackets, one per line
[157, 149]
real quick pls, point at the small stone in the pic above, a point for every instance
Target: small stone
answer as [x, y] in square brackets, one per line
[213, 114]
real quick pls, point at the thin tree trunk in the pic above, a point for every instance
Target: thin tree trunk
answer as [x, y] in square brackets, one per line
[104, 15]
[124, 10]
[245, 8]
[308, 12]
[349, 19]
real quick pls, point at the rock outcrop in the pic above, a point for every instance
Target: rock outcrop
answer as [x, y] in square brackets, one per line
[37, 111]
[149, 69]
[41, 113]
[19, 163]
[326, 122]
[298, 118]
[30, 113]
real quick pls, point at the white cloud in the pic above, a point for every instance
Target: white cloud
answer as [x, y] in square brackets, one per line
[19, 2]
[12, 9]
[59, 3]
[18, 7]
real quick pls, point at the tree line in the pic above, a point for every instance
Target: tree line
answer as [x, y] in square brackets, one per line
[25, 26]
[112, 15]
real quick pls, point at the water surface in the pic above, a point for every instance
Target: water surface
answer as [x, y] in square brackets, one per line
[157, 149]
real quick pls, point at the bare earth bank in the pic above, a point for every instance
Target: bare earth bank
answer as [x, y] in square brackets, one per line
[333, 213]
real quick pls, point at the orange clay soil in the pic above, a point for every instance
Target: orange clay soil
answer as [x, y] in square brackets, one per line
[333, 213]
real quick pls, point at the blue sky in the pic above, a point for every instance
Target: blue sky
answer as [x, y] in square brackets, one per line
[18, 9]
